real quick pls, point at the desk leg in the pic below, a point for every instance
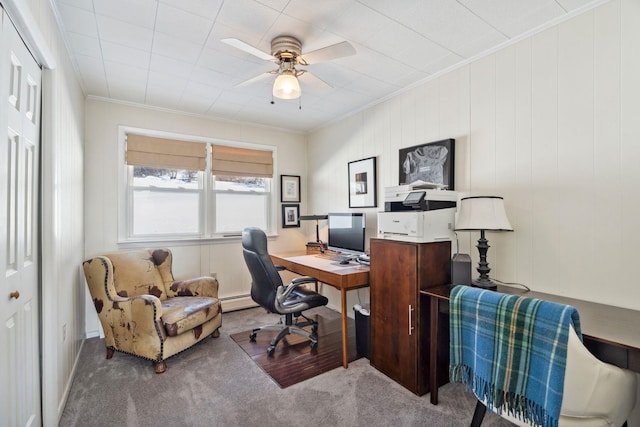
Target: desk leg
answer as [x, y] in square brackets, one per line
[345, 351]
[433, 351]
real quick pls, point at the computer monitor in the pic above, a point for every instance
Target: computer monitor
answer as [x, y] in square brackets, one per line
[346, 233]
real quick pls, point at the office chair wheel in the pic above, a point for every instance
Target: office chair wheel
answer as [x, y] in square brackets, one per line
[252, 337]
[271, 349]
[313, 345]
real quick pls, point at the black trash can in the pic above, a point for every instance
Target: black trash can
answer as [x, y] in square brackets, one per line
[363, 330]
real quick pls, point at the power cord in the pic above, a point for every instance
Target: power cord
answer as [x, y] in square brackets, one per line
[511, 284]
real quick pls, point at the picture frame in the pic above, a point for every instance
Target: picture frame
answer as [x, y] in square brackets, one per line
[362, 183]
[433, 163]
[290, 215]
[290, 188]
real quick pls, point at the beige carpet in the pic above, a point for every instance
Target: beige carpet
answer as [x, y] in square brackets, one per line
[216, 384]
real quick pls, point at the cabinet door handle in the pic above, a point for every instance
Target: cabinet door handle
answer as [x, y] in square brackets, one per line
[410, 319]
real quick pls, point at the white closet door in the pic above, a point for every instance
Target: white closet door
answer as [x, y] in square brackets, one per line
[20, 90]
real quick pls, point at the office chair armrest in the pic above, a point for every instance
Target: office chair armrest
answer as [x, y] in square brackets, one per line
[283, 292]
[302, 280]
[279, 267]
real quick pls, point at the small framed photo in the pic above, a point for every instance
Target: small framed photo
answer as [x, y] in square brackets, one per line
[362, 183]
[290, 188]
[290, 216]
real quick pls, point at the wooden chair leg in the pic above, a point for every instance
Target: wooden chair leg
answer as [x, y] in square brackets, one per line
[109, 353]
[478, 414]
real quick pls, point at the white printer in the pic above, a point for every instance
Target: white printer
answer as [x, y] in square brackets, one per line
[417, 215]
[395, 197]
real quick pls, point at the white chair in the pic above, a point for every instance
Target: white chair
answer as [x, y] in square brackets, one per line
[596, 394]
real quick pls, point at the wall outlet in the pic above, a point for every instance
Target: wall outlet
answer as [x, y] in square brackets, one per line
[64, 332]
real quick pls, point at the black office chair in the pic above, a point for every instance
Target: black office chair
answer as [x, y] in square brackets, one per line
[268, 291]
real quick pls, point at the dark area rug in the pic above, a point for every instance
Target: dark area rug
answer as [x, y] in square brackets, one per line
[293, 360]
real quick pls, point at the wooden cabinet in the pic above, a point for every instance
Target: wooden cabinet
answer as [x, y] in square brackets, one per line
[399, 319]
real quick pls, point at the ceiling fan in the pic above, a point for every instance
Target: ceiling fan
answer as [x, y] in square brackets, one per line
[286, 52]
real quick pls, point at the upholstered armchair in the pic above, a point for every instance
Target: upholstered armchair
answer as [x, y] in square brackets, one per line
[144, 312]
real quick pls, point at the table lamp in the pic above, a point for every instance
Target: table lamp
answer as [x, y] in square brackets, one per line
[482, 213]
[317, 243]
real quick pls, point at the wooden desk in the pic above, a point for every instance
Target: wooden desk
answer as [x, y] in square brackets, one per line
[341, 276]
[610, 333]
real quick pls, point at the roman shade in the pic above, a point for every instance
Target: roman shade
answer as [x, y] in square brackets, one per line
[165, 153]
[233, 161]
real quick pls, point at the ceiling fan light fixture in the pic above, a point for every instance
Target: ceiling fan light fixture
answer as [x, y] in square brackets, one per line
[287, 86]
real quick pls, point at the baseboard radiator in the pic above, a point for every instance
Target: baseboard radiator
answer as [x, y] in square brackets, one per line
[237, 302]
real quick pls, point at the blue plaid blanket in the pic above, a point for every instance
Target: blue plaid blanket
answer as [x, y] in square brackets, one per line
[511, 351]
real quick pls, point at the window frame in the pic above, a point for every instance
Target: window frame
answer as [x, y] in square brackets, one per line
[207, 216]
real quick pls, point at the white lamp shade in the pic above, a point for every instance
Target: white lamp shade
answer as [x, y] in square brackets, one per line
[286, 86]
[482, 213]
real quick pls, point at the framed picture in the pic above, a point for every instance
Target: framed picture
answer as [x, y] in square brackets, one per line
[362, 183]
[290, 216]
[432, 163]
[289, 188]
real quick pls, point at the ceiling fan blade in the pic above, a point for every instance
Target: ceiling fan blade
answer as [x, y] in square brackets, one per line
[255, 79]
[338, 50]
[315, 81]
[239, 44]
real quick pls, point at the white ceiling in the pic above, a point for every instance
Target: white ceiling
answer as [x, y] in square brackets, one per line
[168, 53]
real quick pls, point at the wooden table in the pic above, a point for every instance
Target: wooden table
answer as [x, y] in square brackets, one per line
[610, 333]
[341, 276]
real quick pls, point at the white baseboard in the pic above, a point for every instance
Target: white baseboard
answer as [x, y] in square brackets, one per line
[238, 303]
[67, 387]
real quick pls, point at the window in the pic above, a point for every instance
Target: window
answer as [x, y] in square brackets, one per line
[166, 201]
[241, 201]
[177, 189]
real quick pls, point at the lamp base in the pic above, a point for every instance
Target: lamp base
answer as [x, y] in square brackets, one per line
[485, 283]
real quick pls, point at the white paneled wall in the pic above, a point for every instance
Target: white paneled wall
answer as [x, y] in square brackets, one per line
[628, 204]
[552, 124]
[192, 260]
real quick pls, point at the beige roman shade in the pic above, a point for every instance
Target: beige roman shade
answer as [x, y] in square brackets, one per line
[241, 162]
[165, 153]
